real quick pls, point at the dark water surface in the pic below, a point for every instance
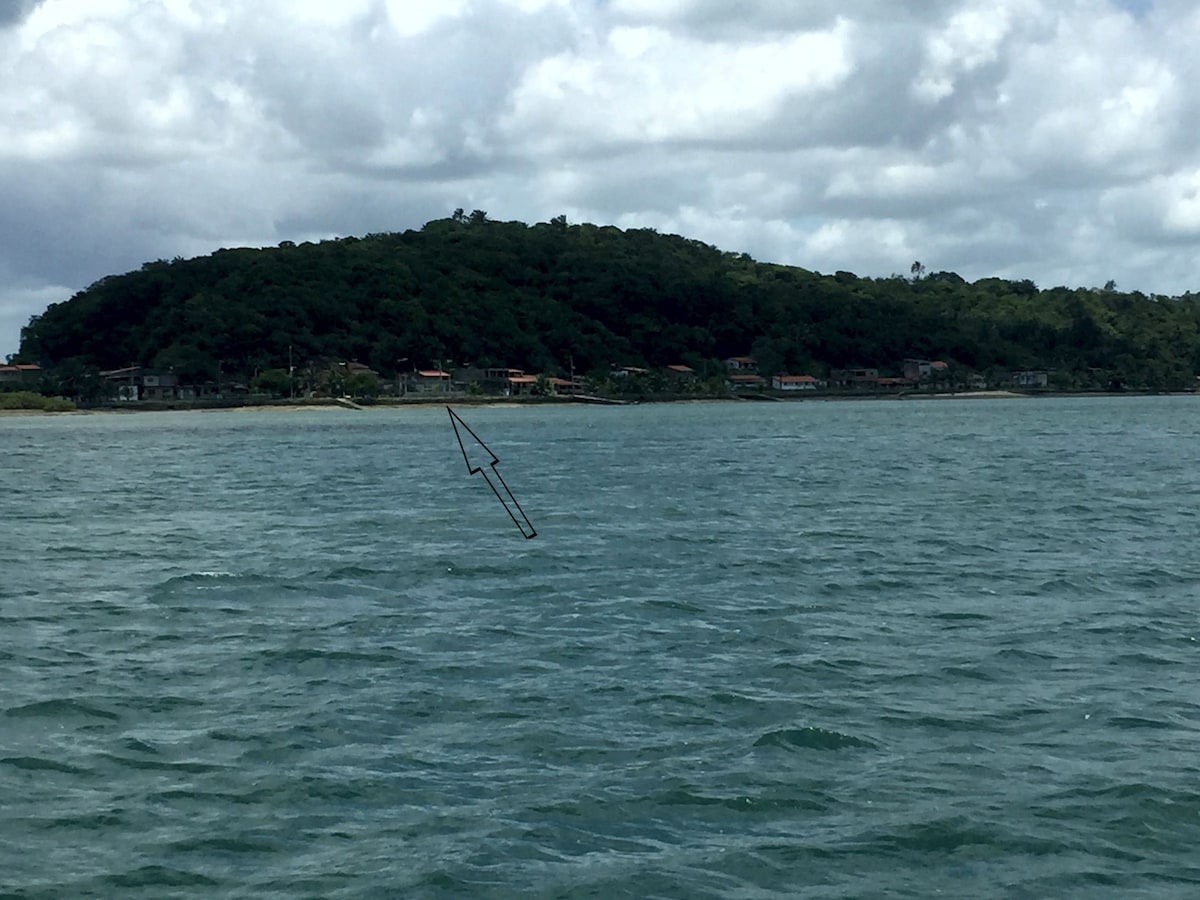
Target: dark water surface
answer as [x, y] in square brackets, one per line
[898, 649]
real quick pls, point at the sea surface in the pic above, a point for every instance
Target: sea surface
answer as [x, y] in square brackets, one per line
[816, 649]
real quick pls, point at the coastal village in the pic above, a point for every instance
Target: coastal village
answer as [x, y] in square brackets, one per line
[738, 376]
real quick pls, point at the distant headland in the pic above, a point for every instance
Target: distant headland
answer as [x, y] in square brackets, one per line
[472, 308]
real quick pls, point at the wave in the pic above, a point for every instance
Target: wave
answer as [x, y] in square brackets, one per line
[41, 764]
[158, 877]
[962, 617]
[60, 709]
[1139, 723]
[812, 738]
[189, 767]
[954, 834]
[308, 654]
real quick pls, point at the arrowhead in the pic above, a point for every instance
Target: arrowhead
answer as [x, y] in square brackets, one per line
[476, 453]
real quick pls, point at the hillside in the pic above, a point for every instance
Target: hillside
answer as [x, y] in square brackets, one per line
[554, 296]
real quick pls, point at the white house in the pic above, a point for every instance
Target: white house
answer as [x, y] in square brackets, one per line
[741, 364]
[794, 383]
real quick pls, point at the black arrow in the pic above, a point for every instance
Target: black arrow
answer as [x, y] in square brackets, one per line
[526, 529]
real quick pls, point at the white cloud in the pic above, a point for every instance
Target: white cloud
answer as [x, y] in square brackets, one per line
[971, 39]
[1025, 138]
[649, 84]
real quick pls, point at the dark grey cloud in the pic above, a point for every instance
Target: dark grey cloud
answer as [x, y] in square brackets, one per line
[13, 11]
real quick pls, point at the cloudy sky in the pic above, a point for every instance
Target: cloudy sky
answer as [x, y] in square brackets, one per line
[1057, 140]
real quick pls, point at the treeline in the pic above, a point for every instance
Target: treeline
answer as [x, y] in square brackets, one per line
[554, 297]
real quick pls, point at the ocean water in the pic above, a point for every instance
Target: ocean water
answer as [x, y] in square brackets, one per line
[819, 649]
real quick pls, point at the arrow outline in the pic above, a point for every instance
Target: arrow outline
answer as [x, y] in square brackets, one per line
[455, 421]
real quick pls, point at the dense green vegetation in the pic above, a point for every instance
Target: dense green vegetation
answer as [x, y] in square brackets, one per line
[10, 400]
[553, 297]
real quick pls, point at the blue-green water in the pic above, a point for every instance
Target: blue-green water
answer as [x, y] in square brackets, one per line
[807, 649]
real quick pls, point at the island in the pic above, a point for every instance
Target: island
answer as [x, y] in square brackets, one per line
[471, 307]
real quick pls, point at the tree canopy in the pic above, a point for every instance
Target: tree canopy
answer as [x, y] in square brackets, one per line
[553, 296]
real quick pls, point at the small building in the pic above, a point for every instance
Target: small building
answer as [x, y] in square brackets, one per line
[126, 382]
[680, 371]
[854, 377]
[490, 380]
[357, 368]
[919, 369]
[745, 380]
[521, 384]
[159, 386]
[741, 364]
[20, 373]
[1033, 378]
[499, 379]
[430, 381]
[795, 383]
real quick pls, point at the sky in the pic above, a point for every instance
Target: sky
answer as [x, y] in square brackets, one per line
[1055, 140]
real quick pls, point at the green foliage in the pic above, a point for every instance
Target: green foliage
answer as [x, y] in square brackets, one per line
[34, 401]
[554, 297]
[275, 382]
[362, 386]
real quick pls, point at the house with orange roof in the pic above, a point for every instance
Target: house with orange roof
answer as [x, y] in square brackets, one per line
[20, 373]
[430, 381]
[521, 384]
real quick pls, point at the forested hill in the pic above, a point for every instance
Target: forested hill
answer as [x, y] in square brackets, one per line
[552, 296]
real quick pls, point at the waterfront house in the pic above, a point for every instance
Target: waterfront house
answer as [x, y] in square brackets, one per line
[1032, 378]
[857, 376]
[795, 383]
[741, 364]
[126, 382]
[916, 369]
[20, 373]
[745, 380]
[159, 386]
[521, 384]
[429, 381]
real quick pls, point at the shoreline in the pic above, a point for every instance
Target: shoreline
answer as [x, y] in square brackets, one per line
[335, 405]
